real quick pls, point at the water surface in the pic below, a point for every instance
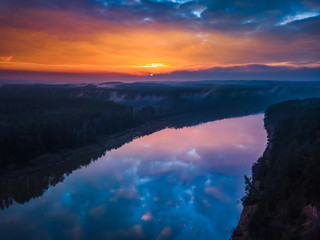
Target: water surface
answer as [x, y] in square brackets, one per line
[173, 184]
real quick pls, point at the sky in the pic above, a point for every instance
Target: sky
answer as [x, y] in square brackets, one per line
[102, 40]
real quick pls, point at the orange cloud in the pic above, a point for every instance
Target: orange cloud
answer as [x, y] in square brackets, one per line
[5, 59]
[57, 41]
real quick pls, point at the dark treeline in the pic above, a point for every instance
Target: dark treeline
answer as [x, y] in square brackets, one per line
[32, 183]
[285, 190]
[38, 119]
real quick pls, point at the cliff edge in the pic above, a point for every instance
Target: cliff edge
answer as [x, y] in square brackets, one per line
[283, 196]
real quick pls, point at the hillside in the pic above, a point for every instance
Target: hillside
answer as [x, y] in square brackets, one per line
[283, 197]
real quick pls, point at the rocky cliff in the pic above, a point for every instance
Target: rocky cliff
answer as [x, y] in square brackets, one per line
[283, 196]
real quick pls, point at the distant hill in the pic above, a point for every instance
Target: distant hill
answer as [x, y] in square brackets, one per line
[283, 196]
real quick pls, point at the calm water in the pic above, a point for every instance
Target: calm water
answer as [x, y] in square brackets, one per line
[173, 184]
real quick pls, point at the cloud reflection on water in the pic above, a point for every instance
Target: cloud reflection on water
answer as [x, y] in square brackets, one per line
[173, 184]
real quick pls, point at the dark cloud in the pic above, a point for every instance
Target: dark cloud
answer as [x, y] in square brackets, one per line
[248, 72]
[224, 15]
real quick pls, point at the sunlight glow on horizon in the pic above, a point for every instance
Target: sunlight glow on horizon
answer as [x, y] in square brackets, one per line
[64, 41]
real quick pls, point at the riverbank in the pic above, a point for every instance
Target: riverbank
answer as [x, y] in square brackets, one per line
[90, 152]
[283, 196]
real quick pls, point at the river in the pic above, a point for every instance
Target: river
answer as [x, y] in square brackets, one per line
[173, 184]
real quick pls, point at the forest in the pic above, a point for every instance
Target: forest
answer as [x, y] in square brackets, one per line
[36, 119]
[285, 185]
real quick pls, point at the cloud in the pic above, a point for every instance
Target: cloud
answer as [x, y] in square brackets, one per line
[147, 217]
[224, 15]
[92, 36]
[5, 59]
[260, 72]
[298, 17]
[165, 233]
[217, 193]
